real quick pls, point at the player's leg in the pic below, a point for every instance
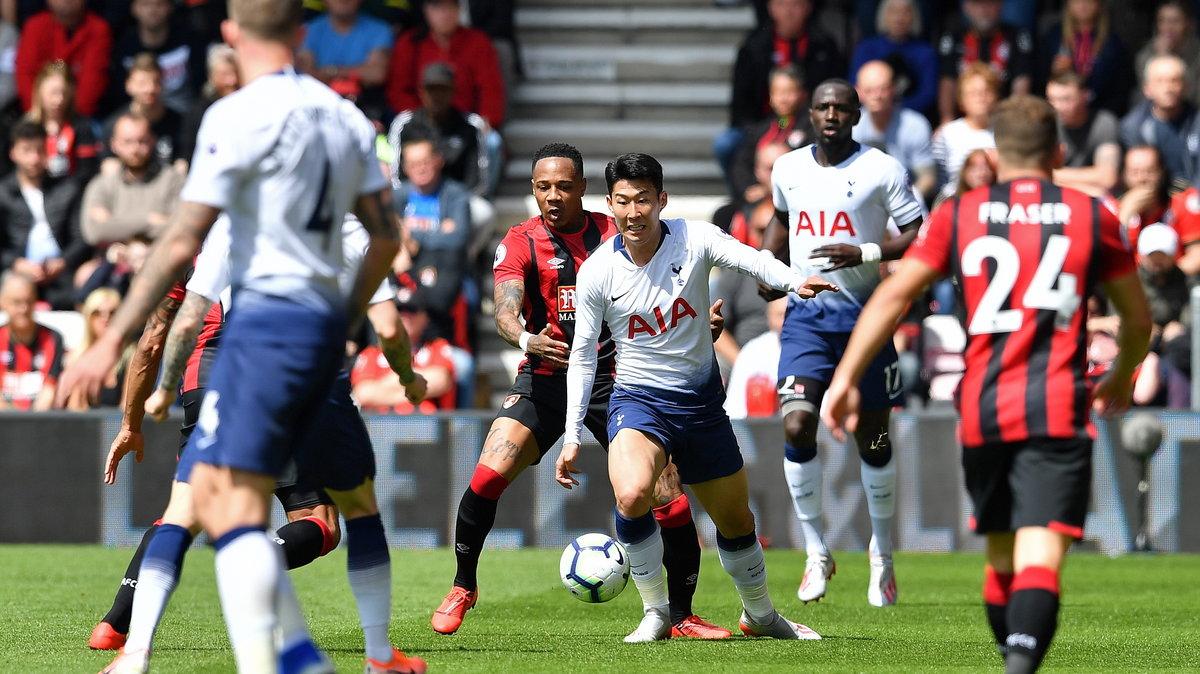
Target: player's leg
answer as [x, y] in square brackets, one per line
[681, 556]
[312, 530]
[109, 634]
[881, 390]
[635, 460]
[1038, 554]
[727, 501]
[986, 476]
[997, 585]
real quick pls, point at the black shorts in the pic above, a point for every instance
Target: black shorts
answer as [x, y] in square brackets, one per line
[293, 494]
[539, 403]
[1036, 483]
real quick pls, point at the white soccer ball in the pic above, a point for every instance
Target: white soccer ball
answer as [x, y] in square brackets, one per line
[595, 568]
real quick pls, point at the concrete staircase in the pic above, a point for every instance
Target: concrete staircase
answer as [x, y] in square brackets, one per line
[614, 76]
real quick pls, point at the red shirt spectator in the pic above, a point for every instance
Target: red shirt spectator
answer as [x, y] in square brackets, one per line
[67, 32]
[373, 365]
[478, 84]
[31, 355]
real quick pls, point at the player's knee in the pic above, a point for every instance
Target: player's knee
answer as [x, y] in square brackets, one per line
[633, 501]
[800, 428]
[735, 524]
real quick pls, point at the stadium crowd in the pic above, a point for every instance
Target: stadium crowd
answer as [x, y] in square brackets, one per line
[101, 100]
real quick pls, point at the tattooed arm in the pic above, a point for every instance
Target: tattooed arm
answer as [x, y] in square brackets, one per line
[180, 344]
[165, 264]
[139, 381]
[510, 299]
[382, 249]
[396, 347]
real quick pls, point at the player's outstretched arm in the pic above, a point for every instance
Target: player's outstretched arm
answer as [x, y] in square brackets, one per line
[181, 342]
[725, 251]
[139, 382]
[841, 255]
[165, 264]
[1113, 393]
[377, 260]
[510, 299]
[876, 324]
[775, 242]
[396, 347]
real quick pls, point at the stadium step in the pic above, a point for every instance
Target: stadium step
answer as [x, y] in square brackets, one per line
[629, 63]
[696, 23]
[676, 101]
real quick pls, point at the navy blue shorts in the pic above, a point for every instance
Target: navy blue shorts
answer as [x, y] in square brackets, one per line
[272, 374]
[694, 429]
[812, 354]
[337, 453]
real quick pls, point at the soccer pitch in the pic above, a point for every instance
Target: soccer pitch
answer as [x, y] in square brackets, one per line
[1133, 613]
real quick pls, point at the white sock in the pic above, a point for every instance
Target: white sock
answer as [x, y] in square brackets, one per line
[293, 629]
[154, 588]
[645, 566]
[248, 574]
[805, 484]
[372, 587]
[748, 569]
[880, 486]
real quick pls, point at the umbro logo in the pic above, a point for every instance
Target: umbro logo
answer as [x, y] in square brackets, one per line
[555, 263]
[676, 270]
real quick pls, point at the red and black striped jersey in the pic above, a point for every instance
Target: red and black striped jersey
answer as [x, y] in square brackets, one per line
[28, 368]
[547, 260]
[1025, 255]
[200, 363]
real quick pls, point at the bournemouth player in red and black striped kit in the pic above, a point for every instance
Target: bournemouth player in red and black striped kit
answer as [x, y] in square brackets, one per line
[535, 280]
[1026, 254]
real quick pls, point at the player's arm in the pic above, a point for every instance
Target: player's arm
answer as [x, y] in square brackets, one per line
[1113, 393]
[581, 374]
[396, 347]
[775, 241]
[139, 382]
[377, 260]
[167, 260]
[876, 324]
[181, 342]
[510, 299]
[1097, 179]
[725, 251]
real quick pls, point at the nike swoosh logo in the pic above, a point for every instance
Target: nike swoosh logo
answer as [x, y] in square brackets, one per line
[614, 299]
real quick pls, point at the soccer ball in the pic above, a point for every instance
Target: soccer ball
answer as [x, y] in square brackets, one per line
[594, 568]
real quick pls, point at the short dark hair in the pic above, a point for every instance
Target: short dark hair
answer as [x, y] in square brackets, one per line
[839, 82]
[1026, 130]
[790, 71]
[1068, 78]
[634, 166]
[27, 129]
[563, 150]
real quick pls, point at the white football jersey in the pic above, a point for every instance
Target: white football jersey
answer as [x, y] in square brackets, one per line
[211, 278]
[285, 158]
[848, 203]
[657, 314]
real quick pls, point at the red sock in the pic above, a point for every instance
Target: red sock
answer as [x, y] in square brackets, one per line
[488, 483]
[677, 513]
[327, 543]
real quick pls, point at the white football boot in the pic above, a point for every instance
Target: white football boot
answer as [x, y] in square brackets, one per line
[881, 590]
[655, 626]
[817, 572]
[777, 627]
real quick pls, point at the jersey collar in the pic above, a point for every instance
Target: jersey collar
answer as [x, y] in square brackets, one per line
[619, 240]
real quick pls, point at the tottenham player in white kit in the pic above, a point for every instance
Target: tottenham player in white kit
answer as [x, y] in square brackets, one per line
[650, 285]
[285, 157]
[832, 203]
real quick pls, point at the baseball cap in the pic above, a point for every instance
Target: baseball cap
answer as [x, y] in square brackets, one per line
[437, 74]
[1158, 238]
[409, 298]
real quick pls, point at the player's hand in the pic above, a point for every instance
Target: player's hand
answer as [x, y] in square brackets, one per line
[549, 349]
[837, 256]
[415, 389]
[564, 468]
[158, 405]
[768, 293]
[89, 372]
[840, 412]
[126, 441]
[814, 285]
[716, 322]
[1112, 395]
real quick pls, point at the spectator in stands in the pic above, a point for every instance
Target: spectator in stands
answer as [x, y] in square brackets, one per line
[31, 355]
[1166, 119]
[39, 220]
[436, 230]
[1084, 43]
[1167, 294]
[912, 59]
[137, 199]
[1091, 137]
[478, 83]
[497, 18]
[223, 79]
[982, 38]
[173, 44]
[114, 269]
[751, 389]
[66, 31]
[1146, 199]
[1174, 34]
[789, 124]
[902, 133]
[144, 84]
[790, 38]
[978, 93]
[977, 170]
[377, 389]
[98, 309]
[9, 38]
[72, 145]
[348, 50]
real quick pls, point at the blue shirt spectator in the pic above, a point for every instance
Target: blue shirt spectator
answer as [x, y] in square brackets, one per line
[333, 48]
[913, 60]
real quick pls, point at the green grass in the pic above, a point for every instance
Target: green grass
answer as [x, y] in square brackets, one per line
[1135, 613]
